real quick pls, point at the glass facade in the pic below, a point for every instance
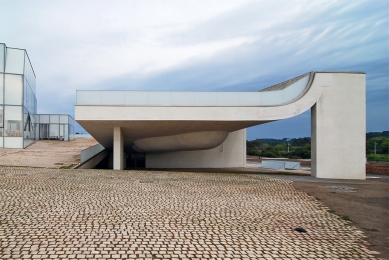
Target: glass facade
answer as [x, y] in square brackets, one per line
[19, 122]
[17, 112]
[54, 127]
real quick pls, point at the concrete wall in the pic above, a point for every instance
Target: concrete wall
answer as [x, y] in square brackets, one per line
[90, 152]
[92, 162]
[232, 153]
[339, 128]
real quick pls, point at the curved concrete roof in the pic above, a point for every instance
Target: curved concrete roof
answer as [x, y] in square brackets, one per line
[184, 121]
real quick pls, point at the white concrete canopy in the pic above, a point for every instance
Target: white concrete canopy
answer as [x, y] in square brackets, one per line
[161, 123]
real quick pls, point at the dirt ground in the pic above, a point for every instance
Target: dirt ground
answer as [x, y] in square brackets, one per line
[47, 154]
[377, 168]
[367, 207]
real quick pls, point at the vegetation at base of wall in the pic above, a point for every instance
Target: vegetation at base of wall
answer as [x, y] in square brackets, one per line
[71, 166]
[377, 147]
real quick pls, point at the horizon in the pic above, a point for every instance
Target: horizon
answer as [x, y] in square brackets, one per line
[310, 136]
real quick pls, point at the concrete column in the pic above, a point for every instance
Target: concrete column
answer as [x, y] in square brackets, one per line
[244, 137]
[118, 153]
[338, 128]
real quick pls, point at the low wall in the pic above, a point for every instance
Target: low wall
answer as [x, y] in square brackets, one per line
[89, 152]
[271, 164]
[92, 162]
[91, 156]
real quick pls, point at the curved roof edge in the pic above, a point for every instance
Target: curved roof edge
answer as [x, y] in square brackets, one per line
[277, 95]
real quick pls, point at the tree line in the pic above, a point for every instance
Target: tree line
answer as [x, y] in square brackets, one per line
[377, 147]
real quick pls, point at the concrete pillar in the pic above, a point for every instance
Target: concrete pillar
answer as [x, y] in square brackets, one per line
[338, 128]
[118, 151]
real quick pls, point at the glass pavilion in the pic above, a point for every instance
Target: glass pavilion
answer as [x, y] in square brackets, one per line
[54, 127]
[20, 125]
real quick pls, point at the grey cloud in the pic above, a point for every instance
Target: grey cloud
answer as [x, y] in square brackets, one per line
[287, 38]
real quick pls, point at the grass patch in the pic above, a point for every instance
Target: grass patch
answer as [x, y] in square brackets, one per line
[347, 218]
[68, 167]
[58, 163]
[378, 157]
[331, 211]
[370, 229]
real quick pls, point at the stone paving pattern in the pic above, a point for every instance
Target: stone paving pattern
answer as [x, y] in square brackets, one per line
[105, 214]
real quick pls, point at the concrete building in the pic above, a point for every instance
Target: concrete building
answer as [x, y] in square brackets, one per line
[207, 129]
[20, 125]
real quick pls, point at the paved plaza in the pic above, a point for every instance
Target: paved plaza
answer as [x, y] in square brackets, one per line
[105, 214]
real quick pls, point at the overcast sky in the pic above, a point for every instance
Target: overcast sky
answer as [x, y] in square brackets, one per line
[200, 46]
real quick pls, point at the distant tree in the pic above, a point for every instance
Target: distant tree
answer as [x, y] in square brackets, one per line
[301, 147]
[377, 134]
[280, 147]
[301, 141]
[270, 153]
[264, 146]
[301, 152]
[381, 144]
[252, 149]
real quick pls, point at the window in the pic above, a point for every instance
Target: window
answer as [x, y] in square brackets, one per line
[13, 125]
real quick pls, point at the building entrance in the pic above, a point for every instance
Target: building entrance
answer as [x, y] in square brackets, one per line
[44, 132]
[136, 160]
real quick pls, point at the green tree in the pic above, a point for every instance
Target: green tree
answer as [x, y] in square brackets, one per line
[378, 144]
[271, 153]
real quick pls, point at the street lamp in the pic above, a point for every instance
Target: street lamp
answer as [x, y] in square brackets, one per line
[287, 139]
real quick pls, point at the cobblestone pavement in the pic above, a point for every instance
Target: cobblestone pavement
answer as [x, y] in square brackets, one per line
[104, 214]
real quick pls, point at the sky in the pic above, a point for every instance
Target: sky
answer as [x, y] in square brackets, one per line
[200, 46]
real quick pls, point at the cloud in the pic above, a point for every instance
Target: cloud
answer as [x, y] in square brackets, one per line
[195, 45]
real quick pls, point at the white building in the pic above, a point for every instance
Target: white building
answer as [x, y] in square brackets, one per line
[207, 129]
